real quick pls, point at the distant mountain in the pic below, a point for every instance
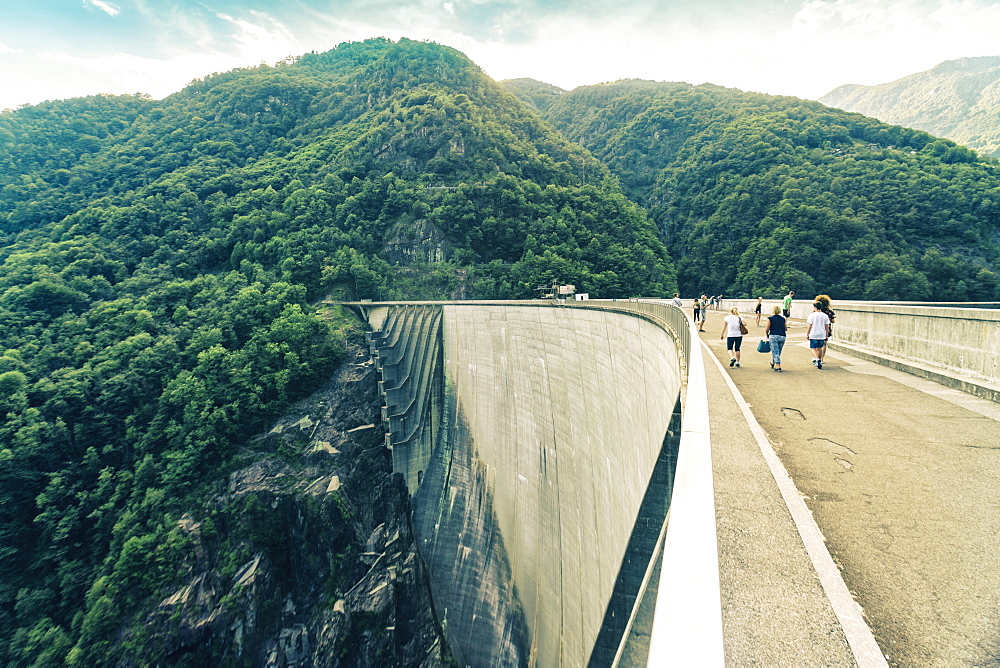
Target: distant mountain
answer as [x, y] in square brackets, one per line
[958, 99]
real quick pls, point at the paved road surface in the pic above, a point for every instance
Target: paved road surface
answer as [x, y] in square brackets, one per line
[903, 479]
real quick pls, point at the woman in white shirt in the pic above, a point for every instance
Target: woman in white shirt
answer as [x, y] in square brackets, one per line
[733, 333]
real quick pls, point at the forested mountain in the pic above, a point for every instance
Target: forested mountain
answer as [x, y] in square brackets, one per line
[182, 424]
[757, 194]
[958, 99]
[160, 265]
[534, 93]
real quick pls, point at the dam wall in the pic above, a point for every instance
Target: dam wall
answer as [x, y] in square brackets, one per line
[406, 347]
[534, 509]
[567, 411]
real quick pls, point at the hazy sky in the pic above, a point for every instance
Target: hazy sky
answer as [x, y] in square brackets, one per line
[53, 49]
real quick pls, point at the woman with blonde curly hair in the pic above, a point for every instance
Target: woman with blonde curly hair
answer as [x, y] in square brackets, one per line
[825, 301]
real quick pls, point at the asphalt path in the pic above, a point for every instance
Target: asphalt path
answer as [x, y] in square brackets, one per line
[902, 477]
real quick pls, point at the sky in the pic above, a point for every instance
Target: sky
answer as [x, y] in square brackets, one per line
[54, 49]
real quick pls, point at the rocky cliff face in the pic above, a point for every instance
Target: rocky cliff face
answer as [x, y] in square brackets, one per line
[413, 242]
[306, 557]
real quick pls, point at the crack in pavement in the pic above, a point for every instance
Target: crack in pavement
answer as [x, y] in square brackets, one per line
[836, 446]
[793, 413]
[843, 462]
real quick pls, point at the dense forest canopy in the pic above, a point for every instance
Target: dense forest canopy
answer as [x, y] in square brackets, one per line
[757, 194]
[536, 94]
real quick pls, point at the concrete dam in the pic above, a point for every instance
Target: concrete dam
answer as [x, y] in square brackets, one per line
[540, 445]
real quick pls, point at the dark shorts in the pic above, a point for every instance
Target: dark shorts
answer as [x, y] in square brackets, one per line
[734, 343]
[817, 343]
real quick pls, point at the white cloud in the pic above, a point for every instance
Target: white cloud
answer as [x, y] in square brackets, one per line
[837, 42]
[968, 21]
[106, 7]
[786, 47]
[264, 38]
[126, 73]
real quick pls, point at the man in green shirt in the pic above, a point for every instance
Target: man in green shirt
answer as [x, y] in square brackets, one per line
[786, 303]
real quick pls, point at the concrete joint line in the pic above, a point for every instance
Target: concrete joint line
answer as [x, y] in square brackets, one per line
[859, 635]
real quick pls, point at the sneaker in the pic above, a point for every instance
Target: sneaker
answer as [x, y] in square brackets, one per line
[819, 364]
[737, 365]
[814, 361]
[732, 361]
[772, 364]
[778, 370]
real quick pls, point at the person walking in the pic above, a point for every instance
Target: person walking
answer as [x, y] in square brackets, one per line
[704, 313]
[776, 332]
[697, 313]
[786, 303]
[825, 301]
[819, 332]
[676, 301]
[757, 309]
[733, 329]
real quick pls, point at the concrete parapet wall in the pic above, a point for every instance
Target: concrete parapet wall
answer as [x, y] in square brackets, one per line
[961, 341]
[687, 624]
[964, 341]
[567, 409]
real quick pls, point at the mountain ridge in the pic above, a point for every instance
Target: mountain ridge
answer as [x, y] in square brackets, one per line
[958, 99]
[757, 194]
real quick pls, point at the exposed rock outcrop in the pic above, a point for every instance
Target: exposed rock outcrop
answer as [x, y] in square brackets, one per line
[306, 558]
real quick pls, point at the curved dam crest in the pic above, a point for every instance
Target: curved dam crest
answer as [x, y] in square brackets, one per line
[552, 421]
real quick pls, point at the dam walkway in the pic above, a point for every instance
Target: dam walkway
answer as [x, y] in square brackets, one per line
[893, 476]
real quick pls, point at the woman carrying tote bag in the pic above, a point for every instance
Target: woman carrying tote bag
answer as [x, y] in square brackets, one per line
[775, 331]
[733, 329]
